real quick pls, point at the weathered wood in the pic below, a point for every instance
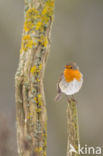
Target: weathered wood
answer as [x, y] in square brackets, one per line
[72, 128]
[31, 114]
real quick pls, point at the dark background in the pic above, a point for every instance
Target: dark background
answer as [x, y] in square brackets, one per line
[77, 36]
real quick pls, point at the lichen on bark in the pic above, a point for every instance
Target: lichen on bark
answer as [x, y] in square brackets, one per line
[31, 113]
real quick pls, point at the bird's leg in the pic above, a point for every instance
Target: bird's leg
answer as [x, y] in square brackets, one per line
[68, 98]
[73, 98]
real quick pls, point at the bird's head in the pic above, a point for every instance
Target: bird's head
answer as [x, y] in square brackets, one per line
[71, 72]
[72, 66]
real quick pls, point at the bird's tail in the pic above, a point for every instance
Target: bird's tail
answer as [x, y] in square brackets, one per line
[58, 97]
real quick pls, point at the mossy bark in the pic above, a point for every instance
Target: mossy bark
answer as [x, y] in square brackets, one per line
[31, 114]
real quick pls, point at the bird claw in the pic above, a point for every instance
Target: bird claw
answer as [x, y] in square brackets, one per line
[71, 99]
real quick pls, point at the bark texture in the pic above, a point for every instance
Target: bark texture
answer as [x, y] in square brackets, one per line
[72, 128]
[31, 114]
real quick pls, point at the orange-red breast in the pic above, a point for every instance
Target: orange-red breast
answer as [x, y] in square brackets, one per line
[70, 81]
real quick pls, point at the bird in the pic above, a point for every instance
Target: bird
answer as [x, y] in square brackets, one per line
[70, 81]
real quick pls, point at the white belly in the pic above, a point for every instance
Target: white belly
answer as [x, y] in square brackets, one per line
[70, 88]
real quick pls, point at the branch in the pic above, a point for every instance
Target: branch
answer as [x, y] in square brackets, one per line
[72, 128]
[31, 114]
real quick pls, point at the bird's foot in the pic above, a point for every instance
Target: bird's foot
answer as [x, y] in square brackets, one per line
[73, 99]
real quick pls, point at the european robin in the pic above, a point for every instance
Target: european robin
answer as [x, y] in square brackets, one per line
[70, 81]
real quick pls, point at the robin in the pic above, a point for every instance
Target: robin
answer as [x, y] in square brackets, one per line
[70, 81]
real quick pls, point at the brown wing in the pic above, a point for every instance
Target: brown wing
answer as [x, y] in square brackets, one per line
[60, 78]
[59, 93]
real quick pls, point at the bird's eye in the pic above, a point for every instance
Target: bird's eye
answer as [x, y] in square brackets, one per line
[70, 67]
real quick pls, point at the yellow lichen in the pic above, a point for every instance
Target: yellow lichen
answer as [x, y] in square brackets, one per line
[45, 143]
[50, 3]
[33, 69]
[40, 103]
[31, 13]
[28, 117]
[36, 99]
[37, 20]
[28, 25]
[45, 10]
[45, 19]
[36, 29]
[40, 99]
[48, 8]
[31, 113]
[39, 26]
[27, 43]
[40, 67]
[43, 40]
[38, 79]
[38, 110]
[26, 37]
[44, 153]
[39, 96]
[38, 149]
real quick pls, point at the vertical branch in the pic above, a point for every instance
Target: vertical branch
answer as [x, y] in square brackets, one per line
[31, 112]
[72, 129]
